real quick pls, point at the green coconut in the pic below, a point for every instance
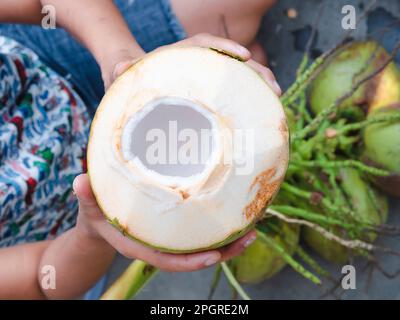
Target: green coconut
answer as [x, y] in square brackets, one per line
[382, 149]
[349, 65]
[260, 261]
[367, 203]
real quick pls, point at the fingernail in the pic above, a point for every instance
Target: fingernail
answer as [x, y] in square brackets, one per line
[277, 87]
[244, 49]
[244, 52]
[212, 260]
[249, 241]
[73, 187]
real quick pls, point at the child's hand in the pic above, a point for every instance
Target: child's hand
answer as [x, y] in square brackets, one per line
[92, 223]
[122, 60]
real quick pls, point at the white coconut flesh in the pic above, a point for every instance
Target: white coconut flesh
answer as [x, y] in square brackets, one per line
[172, 202]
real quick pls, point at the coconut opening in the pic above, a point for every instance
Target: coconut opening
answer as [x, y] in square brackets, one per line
[173, 140]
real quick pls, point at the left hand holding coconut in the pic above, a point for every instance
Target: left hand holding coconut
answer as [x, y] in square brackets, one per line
[92, 224]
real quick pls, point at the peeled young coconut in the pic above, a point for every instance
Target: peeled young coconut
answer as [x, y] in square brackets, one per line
[351, 64]
[260, 261]
[367, 203]
[382, 149]
[137, 145]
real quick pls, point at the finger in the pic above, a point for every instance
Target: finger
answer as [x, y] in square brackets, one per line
[87, 201]
[267, 75]
[258, 53]
[168, 261]
[209, 41]
[164, 261]
[184, 262]
[117, 70]
[123, 63]
[237, 247]
[121, 67]
[196, 261]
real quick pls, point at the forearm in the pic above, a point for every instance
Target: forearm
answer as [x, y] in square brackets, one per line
[99, 26]
[18, 271]
[79, 260]
[21, 11]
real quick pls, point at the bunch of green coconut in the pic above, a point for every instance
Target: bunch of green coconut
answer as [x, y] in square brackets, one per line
[341, 168]
[343, 114]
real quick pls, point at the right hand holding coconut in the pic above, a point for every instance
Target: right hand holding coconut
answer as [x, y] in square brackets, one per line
[92, 225]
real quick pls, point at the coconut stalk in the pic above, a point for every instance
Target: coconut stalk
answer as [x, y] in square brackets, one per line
[215, 281]
[233, 282]
[131, 282]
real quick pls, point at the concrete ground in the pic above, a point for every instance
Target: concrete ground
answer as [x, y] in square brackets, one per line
[284, 39]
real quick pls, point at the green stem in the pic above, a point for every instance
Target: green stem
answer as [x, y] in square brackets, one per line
[337, 197]
[215, 280]
[302, 114]
[342, 164]
[293, 92]
[303, 65]
[300, 107]
[323, 201]
[312, 216]
[362, 124]
[128, 285]
[315, 122]
[288, 258]
[233, 282]
[312, 263]
[344, 129]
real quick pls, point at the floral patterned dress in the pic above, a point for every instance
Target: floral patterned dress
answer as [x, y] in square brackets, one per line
[43, 136]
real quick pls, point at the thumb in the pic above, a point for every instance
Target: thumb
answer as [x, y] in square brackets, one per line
[87, 201]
